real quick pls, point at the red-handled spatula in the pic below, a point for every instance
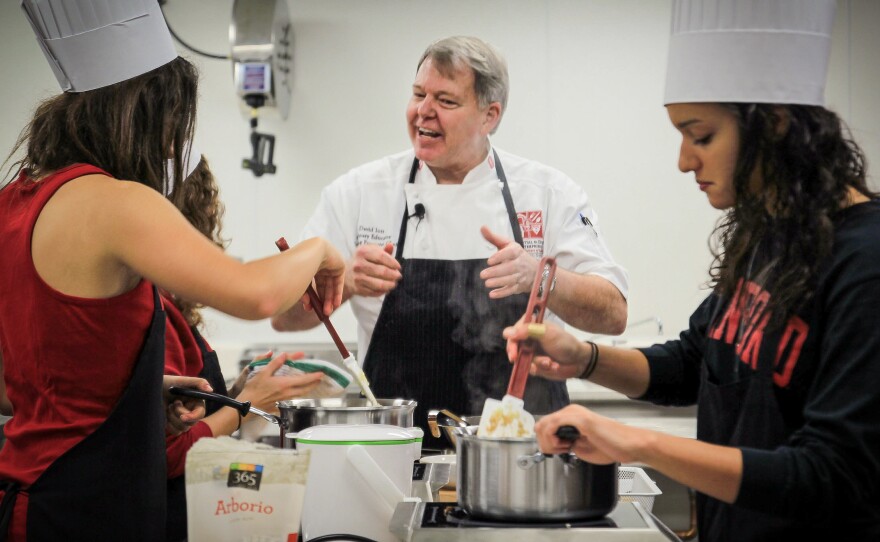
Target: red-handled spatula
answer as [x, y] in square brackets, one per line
[347, 358]
[507, 418]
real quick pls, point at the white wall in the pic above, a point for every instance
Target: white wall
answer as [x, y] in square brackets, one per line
[586, 97]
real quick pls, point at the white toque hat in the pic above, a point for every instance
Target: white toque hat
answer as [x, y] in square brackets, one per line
[95, 43]
[749, 51]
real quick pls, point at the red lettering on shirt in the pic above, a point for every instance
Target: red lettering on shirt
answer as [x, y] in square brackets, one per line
[792, 341]
[743, 325]
[749, 342]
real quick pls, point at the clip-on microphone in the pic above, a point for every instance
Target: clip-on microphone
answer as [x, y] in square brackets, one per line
[420, 211]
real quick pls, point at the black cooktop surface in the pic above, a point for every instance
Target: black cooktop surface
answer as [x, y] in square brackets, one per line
[450, 515]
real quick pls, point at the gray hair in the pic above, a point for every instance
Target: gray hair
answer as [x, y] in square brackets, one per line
[491, 83]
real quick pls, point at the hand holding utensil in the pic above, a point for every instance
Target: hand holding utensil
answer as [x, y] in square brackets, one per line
[242, 407]
[534, 314]
[347, 358]
[510, 407]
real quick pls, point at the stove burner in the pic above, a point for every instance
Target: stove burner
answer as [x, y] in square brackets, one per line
[451, 515]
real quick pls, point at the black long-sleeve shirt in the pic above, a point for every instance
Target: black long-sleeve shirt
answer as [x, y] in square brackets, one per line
[821, 473]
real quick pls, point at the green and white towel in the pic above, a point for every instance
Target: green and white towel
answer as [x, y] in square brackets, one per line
[335, 380]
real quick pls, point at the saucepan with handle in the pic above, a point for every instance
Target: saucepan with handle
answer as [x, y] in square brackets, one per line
[298, 414]
[511, 479]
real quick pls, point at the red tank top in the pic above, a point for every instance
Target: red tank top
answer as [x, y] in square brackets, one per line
[66, 359]
[182, 357]
[182, 353]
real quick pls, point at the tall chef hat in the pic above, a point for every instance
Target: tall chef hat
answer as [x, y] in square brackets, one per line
[750, 51]
[95, 43]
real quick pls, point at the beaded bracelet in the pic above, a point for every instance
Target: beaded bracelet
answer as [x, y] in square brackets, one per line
[591, 365]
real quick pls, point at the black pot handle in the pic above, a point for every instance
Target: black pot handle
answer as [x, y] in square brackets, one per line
[242, 408]
[568, 432]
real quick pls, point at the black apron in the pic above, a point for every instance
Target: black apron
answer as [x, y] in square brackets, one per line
[176, 527]
[438, 336]
[731, 415]
[111, 485]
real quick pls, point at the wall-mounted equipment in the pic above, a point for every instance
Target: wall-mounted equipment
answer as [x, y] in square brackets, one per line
[262, 45]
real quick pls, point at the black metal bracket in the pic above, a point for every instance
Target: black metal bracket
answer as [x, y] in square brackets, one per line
[260, 162]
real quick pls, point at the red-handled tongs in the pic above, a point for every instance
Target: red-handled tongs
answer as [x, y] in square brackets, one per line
[534, 314]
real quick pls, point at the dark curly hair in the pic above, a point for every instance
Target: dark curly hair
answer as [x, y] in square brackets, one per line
[128, 129]
[808, 162]
[198, 199]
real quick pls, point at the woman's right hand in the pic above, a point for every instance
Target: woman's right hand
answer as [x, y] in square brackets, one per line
[560, 355]
[329, 280]
[266, 388]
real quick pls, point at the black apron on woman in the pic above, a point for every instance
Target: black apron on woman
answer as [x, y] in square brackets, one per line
[722, 408]
[177, 523]
[423, 349]
[111, 485]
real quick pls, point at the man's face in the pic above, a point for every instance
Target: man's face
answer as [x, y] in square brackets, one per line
[446, 125]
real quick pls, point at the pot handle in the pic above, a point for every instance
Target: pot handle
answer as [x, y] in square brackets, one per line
[242, 408]
[568, 432]
[529, 461]
[432, 423]
[374, 476]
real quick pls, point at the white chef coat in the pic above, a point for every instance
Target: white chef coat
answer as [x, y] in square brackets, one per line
[366, 205]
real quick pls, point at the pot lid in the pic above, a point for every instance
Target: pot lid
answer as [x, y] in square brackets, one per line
[368, 434]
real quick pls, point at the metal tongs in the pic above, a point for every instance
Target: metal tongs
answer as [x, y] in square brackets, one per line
[347, 358]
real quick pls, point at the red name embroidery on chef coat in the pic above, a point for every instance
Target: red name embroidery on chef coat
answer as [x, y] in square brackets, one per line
[532, 224]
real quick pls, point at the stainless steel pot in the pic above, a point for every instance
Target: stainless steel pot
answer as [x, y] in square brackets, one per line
[510, 479]
[298, 414]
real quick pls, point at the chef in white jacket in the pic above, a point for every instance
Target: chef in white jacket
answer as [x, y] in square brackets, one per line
[443, 242]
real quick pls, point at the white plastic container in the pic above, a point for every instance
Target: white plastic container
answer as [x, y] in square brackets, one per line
[357, 476]
[633, 484]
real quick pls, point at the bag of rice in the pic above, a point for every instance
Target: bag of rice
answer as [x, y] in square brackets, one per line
[239, 490]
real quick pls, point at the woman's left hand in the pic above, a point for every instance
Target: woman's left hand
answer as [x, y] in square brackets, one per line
[601, 441]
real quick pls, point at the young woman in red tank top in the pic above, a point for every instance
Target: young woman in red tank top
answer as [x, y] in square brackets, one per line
[87, 237]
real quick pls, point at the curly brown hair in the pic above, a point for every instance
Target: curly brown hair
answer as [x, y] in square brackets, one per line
[198, 199]
[807, 170]
[128, 129]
